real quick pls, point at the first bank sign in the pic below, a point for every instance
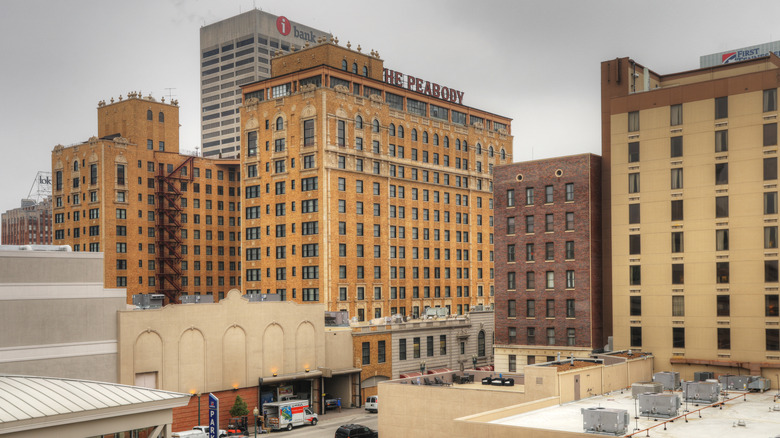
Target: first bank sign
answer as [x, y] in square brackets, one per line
[422, 86]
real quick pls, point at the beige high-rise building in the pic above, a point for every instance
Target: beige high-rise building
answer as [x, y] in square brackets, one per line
[691, 214]
[367, 189]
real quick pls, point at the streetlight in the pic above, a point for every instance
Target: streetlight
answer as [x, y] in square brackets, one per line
[256, 412]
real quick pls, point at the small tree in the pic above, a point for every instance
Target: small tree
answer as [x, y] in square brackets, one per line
[239, 408]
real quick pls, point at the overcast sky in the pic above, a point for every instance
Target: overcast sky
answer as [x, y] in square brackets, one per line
[535, 62]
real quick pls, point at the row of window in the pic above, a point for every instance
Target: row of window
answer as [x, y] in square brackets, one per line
[721, 175]
[721, 273]
[723, 338]
[550, 307]
[530, 280]
[721, 208]
[721, 143]
[549, 223]
[721, 240]
[550, 339]
[549, 192]
[722, 306]
[399, 292]
[121, 281]
[721, 110]
[549, 251]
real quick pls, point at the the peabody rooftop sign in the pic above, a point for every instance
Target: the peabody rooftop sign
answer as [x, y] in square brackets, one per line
[422, 86]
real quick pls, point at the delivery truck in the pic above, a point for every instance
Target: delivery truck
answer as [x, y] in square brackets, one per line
[287, 414]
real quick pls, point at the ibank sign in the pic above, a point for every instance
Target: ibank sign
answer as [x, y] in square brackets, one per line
[284, 27]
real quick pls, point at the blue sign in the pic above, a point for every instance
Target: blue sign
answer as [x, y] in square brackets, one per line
[213, 416]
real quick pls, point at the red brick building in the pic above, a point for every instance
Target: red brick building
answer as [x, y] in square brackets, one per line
[28, 225]
[548, 260]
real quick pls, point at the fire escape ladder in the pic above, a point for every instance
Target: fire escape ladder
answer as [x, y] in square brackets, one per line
[168, 240]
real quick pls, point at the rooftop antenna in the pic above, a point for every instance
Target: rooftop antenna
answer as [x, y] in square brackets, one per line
[170, 94]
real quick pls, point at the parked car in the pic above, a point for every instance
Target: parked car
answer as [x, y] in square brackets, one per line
[205, 429]
[332, 402]
[190, 434]
[355, 431]
[372, 403]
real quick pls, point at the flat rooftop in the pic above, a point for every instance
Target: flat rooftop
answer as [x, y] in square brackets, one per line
[754, 409]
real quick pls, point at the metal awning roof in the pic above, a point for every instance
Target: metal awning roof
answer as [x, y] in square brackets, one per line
[26, 401]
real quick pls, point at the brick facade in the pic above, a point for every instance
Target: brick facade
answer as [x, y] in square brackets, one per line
[583, 172]
[403, 199]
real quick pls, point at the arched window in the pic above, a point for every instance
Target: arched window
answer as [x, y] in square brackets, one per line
[354, 68]
[479, 149]
[490, 151]
[359, 122]
[435, 139]
[400, 131]
[457, 144]
[465, 146]
[76, 165]
[446, 142]
[149, 115]
[279, 123]
[375, 125]
[344, 64]
[414, 134]
[481, 343]
[503, 154]
[160, 117]
[365, 71]
[391, 129]
[425, 137]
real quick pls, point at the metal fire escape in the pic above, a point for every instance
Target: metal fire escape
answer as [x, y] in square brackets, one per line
[168, 226]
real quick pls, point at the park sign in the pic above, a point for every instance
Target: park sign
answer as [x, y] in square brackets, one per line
[213, 416]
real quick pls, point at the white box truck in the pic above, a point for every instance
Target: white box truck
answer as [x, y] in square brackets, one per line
[287, 414]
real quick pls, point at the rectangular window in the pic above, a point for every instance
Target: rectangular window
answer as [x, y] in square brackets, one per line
[678, 305]
[633, 152]
[549, 222]
[530, 282]
[676, 149]
[635, 275]
[677, 179]
[550, 309]
[635, 306]
[770, 271]
[529, 224]
[512, 359]
[678, 337]
[724, 339]
[570, 308]
[675, 115]
[721, 173]
[635, 244]
[636, 336]
[569, 221]
[633, 121]
[770, 134]
[308, 132]
[633, 213]
[549, 251]
[429, 345]
[511, 306]
[529, 252]
[569, 250]
[678, 273]
[770, 169]
[510, 198]
[530, 335]
[569, 192]
[550, 336]
[722, 141]
[721, 206]
[677, 242]
[770, 237]
[633, 182]
[721, 107]
[770, 100]
[402, 349]
[677, 210]
[773, 339]
[548, 194]
[366, 359]
[721, 240]
[771, 305]
[722, 272]
[550, 280]
[723, 305]
[416, 348]
[770, 203]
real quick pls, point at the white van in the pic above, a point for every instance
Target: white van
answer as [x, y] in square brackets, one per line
[372, 403]
[205, 429]
[190, 434]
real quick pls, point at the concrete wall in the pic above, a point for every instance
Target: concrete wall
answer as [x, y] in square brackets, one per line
[56, 317]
